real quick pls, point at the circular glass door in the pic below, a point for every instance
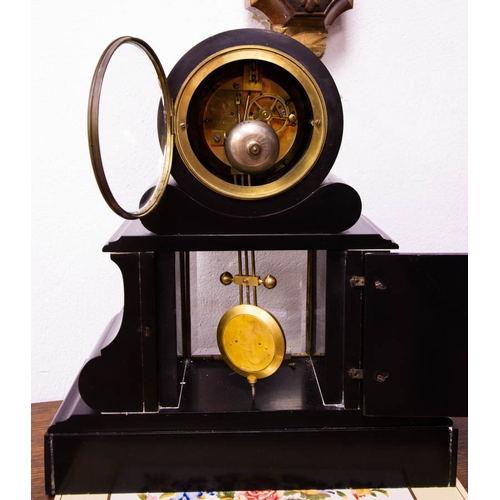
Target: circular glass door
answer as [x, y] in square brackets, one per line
[130, 140]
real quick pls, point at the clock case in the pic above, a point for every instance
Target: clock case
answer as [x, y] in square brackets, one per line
[372, 409]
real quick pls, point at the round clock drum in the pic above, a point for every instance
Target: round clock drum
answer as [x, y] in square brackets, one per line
[245, 127]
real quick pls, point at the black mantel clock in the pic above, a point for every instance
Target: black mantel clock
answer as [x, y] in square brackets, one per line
[359, 394]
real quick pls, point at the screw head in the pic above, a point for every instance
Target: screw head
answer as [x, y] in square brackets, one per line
[380, 376]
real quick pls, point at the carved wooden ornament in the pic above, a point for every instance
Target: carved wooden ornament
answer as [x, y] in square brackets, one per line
[305, 20]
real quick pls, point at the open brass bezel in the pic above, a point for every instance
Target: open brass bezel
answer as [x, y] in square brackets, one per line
[93, 129]
[319, 122]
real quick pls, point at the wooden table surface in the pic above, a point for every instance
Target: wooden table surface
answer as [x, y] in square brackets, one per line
[43, 413]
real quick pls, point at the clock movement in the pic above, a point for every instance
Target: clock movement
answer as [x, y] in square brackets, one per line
[270, 337]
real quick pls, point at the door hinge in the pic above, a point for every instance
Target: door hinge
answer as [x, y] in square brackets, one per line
[356, 373]
[357, 281]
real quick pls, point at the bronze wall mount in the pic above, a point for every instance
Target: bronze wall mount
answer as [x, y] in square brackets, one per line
[305, 20]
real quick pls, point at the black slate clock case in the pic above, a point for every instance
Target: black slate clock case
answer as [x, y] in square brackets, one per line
[371, 408]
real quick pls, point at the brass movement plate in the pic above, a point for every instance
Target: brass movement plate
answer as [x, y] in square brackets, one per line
[251, 341]
[269, 98]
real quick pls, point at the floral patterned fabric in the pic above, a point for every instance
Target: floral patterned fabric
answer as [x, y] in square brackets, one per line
[350, 494]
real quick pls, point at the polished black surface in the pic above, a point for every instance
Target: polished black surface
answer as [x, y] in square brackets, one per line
[133, 236]
[217, 440]
[338, 321]
[333, 207]
[229, 461]
[415, 334]
[123, 374]
[215, 398]
[211, 386]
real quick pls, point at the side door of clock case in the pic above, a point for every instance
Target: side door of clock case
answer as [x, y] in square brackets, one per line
[415, 335]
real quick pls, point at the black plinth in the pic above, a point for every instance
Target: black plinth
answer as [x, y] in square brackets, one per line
[216, 440]
[162, 421]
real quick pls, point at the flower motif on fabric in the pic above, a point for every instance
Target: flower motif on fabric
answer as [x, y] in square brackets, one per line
[357, 494]
[258, 495]
[349, 494]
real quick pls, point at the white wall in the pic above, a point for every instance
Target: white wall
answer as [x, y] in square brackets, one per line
[401, 68]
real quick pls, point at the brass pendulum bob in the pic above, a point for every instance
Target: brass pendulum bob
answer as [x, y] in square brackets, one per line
[249, 337]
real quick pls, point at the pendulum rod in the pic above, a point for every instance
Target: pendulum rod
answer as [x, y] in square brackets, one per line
[253, 274]
[247, 277]
[244, 264]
